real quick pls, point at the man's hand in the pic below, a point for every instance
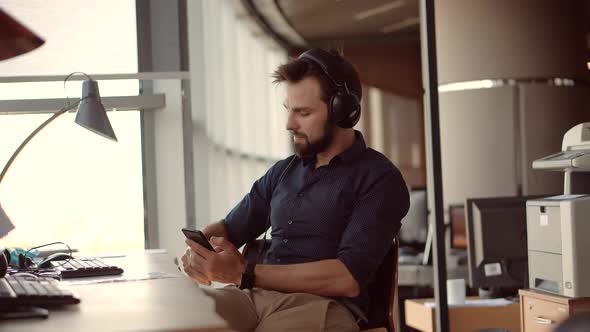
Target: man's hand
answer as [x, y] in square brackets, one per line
[225, 265]
[195, 275]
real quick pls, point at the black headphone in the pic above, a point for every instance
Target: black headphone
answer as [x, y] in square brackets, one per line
[23, 261]
[344, 107]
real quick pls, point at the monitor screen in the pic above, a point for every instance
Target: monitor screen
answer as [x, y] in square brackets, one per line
[457, 224]
[497, 242]
[415, 224]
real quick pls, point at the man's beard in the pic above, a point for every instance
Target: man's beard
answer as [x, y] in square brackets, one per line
[309, 149]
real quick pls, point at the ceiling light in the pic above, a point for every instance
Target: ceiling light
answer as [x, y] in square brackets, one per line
[469, 85]
[378, 10]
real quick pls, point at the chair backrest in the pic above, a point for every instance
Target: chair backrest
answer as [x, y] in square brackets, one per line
[381, 291]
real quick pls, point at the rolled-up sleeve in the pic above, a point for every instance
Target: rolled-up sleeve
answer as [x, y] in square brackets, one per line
[247, 220]
[375, 221]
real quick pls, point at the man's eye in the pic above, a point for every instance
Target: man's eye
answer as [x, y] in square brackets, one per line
[304, 114]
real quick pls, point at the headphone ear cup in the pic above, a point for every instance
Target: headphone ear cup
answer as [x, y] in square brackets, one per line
[24, 261]
[345, 110]
[353, 118]
[333, 107]
[21, 261]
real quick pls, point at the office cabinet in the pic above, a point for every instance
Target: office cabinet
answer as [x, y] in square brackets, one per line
[542, 312]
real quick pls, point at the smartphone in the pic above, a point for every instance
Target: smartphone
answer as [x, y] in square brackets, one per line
[198, 237]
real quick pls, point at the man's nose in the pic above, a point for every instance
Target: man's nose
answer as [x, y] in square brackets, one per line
[291, 122]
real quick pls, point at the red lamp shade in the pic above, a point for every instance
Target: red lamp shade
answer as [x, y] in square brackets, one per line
[15, 38]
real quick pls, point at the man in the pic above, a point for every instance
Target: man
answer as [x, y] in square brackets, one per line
[335, 207]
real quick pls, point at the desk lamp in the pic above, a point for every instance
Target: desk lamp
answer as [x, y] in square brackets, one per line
[90, 115]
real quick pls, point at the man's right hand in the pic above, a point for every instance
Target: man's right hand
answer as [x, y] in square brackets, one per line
[194, 274]
[216, 229]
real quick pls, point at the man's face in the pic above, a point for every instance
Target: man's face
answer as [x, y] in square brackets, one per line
[308, 117]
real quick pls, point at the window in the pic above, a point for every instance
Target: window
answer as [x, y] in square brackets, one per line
[245, 116]
[69, 184]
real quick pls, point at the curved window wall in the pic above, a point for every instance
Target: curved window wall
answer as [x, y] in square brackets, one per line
[245, 120]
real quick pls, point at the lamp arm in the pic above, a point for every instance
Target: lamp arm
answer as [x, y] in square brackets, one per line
[35, 132]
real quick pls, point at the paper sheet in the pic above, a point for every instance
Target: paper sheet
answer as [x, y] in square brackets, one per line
[119, 278]
[476, 303]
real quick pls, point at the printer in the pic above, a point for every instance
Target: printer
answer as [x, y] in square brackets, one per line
[558, 227]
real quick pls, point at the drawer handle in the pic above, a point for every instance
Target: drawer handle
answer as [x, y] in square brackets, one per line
[542, 320]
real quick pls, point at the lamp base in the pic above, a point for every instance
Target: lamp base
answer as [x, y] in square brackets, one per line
[3, 263]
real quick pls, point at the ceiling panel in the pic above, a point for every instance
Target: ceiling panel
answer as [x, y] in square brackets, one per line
[352, 19]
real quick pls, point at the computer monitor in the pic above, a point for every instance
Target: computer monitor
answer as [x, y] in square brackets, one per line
[415, 224]
[457, 227]
[497, 243]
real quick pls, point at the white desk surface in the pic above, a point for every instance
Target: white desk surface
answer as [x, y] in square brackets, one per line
[174, 303]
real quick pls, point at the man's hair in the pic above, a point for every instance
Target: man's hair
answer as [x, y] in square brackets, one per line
[341, 70]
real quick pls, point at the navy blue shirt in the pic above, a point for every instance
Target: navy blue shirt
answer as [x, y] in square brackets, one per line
[350, 209]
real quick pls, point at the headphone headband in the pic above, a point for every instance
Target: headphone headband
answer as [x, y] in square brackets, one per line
[319, 57]
[344, 105]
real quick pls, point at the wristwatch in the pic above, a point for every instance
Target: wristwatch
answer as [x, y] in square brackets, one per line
[248, 277]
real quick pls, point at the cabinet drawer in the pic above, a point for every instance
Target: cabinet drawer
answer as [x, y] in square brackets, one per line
[541, 315]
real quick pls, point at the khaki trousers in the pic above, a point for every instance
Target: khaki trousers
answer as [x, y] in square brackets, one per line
[262, 310]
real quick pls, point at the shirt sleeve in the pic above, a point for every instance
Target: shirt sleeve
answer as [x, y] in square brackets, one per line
[248, 219]
[375, 221]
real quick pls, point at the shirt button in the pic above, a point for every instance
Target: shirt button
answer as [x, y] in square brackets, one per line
[278, 260]
[290, 222]
[300, 195]
[285, 241]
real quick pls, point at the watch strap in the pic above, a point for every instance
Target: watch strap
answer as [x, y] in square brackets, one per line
[248, 277]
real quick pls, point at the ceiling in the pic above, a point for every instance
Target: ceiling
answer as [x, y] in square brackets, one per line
[318, 21]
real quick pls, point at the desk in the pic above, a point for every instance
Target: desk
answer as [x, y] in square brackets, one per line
[414, 275]
[464, 318]
[417, 275]
[416, 281]
[168, 304]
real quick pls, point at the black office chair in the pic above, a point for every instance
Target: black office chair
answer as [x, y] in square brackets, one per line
[382, 291]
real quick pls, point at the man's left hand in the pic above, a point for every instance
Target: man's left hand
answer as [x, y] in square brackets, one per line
[225, 265]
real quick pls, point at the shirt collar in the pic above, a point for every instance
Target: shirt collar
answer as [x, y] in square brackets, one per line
[308, 160]
[349, 155]
[354, 151]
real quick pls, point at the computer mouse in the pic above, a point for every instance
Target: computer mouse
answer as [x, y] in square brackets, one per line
[58, 256]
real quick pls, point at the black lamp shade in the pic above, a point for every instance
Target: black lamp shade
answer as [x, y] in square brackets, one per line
[15, 38]
[91, 114]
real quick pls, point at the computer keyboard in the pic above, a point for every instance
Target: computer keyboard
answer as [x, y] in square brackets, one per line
[26, 290]
[85, 267]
